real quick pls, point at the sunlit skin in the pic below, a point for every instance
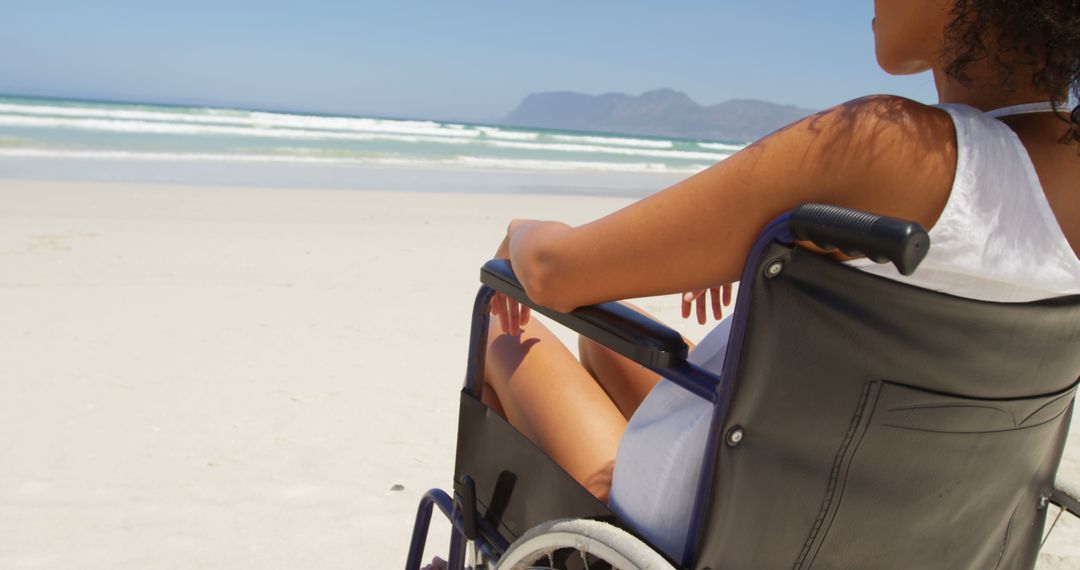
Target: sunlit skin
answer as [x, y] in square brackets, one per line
[908, 35]
[694, 235]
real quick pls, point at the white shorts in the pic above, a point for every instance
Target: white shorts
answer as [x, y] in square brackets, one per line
[660, 455]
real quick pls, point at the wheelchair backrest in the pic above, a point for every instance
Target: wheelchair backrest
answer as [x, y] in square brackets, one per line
[873, 424]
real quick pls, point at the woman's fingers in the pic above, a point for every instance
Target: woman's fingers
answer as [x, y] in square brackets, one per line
[498, 307]
[515, 317]
[504, 313]
[526, 313]
[688, 299]
[701, 300]
[716, 297]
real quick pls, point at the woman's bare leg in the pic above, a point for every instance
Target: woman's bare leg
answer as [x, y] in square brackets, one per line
[556, 403]
[491, 399]
[625, 381]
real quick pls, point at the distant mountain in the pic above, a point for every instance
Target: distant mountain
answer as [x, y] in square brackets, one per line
[663, 112]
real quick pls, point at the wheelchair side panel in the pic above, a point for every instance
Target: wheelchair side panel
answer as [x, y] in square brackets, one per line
[517, 485]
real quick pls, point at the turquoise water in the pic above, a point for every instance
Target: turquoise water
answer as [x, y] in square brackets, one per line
[88, 131]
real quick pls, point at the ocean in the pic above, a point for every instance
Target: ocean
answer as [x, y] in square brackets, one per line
[71, 139]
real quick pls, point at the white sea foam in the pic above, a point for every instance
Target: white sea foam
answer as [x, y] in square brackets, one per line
[722, 146]
[215, 134]
[122, 114]
[155, 127]
[676, 154]
[531, 164]
[461, 161]
[152, 127]
[426, 128]
[261, 119]
[252, 119]
[619, 141]
[496, 133]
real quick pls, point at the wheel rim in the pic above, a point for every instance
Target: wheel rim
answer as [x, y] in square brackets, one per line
[566, 551]
[580, 544]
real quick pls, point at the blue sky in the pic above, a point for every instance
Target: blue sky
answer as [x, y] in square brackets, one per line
[466, 60]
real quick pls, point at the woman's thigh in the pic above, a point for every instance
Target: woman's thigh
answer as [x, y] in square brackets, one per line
[555, 402]
[626, 382]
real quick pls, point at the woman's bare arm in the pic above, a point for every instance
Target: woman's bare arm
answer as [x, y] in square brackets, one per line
[881, 154]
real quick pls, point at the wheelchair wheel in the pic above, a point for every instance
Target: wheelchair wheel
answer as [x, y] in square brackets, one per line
[580, 544]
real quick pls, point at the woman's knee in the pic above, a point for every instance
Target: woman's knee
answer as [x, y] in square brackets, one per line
[591, 352]
[598, 482]
[599, 359]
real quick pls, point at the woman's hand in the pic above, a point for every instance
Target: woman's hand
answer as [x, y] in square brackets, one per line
[512, 315]
[715, 294]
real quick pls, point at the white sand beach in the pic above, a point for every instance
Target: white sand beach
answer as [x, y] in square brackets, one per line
[233, 378]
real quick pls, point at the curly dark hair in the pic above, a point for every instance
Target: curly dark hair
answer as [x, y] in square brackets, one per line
[1043, 35]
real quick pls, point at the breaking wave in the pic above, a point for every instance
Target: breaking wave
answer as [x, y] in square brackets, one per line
[39, 127]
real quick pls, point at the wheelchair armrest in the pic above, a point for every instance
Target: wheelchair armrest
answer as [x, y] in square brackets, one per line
[1067, 496]
[619, 328]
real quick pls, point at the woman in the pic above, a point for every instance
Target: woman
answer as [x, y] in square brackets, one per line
[949, 167]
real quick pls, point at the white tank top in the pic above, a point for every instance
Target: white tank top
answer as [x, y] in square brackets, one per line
[997, 238]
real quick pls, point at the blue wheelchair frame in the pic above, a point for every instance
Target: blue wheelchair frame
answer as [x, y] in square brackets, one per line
[714, 388]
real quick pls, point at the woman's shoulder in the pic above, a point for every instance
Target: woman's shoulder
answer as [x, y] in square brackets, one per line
[873, 117]
[879, 153]
[876, 131]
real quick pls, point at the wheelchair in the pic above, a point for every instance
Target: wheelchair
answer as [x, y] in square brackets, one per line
[859, 422]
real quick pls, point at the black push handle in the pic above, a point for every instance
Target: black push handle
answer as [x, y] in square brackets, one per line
[857, 233]
[615, 326]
